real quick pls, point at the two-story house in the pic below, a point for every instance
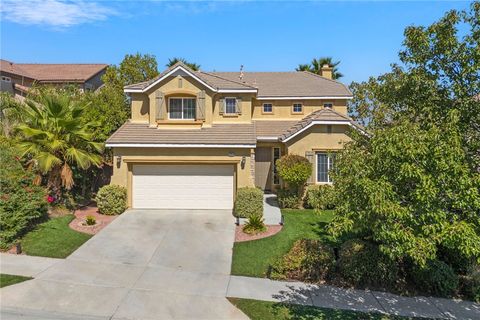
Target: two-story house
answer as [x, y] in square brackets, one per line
[194, 137]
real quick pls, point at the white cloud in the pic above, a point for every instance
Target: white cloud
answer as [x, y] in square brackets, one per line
[56, 13]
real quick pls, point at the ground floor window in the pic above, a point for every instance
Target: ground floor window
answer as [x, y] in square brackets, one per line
[325, 162]
[276, 156]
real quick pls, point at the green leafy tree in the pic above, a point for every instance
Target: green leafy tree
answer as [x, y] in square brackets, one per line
[175, 60]
[316, 66]
[134, 68]
[410, 190]
[54, 137]
[439, 72]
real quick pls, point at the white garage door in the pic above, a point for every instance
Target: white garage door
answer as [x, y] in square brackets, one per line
[182, 186]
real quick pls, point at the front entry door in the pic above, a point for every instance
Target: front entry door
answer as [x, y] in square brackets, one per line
[263, 168]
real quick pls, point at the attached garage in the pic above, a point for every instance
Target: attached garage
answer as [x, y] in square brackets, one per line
[166, 186]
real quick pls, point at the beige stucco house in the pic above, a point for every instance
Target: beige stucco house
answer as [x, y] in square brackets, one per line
[194, 137]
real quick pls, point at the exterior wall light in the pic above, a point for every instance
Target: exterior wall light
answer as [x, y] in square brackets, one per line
[119, 161]
[244, 160]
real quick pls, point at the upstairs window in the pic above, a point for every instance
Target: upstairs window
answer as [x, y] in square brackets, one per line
[230, 105]
[328, 105]
[325, 163]
[182, 108]
[267, 108]
[297, 108]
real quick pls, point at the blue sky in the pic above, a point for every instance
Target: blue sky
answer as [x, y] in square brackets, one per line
[263, 36]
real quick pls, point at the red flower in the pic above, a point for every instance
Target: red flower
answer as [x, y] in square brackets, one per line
[50, 199]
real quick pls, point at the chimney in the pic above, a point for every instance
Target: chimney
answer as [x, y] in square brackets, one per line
[241, 73]
[326, 71]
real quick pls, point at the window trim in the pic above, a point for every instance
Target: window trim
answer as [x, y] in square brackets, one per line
[225, 113]
[328, 102]
[182, 118]
[263, 108]
[328, 154]
[293, 108]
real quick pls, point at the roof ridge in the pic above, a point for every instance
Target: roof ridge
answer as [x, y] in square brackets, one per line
[233, 81]
[331, 80]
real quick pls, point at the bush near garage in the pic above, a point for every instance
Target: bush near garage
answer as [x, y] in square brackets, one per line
[361, 264]
[249, 201]
[111, 199]
[308, 260]
[436, 278]
[22, 204]
[320, 197]
[288, 199]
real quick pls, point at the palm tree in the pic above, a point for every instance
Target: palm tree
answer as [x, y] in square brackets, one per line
[175, 60]
[316, 66]
[53, 137]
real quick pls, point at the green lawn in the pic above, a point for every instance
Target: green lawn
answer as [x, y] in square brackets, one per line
[264, 310]
[252, 258]
[53, 238]
[9, 279]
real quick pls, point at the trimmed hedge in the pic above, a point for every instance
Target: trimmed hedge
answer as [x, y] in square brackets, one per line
[320, 197]
[288, 199]
[22, 203]
[361, 264]
[308, 260]
[436, 278]
[294, 169]
[111, 199]
[249, 202]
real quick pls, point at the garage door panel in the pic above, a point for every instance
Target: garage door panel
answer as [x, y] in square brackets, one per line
[182, 186]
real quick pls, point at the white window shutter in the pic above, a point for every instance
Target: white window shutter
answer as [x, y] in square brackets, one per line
[200, 112]
[159, 106]
[221, 105]
[238, 106]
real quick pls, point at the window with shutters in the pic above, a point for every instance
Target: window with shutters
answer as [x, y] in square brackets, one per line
[182, 108]
[325, 163]
[230, 105]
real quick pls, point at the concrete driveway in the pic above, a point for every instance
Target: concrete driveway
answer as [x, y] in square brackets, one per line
[147, 264]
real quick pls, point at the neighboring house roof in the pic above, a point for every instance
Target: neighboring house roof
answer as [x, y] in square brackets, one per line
[290, 84]
[271, 129]
[54, 72]
[141, 134]
[323, 116]
[13, 68]
[268, 85]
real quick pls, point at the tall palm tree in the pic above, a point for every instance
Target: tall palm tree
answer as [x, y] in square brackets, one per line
[191, 65]
[316, 66]
[53, 137]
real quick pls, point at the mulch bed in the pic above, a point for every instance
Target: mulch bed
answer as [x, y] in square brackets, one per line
[80, 215]
[241, 236]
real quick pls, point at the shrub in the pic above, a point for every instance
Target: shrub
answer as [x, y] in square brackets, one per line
[470, 284]
[255, 224]
[90, 220]
[294, 170]
[111, 199]
[308, 260]
[249, 202]
[436, 278]
[361, 264]
[320, 197]
[288, 199]
[22, 203]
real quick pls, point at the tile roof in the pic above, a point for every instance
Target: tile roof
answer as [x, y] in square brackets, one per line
[272, 128]
[140, 133]
[268, 84]
[74, 72]
[319, 115]
[289, 84]
[209, 78]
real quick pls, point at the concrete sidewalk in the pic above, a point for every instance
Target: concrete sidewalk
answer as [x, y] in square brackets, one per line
[22, 265]
[271, 210]
[349, 299]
